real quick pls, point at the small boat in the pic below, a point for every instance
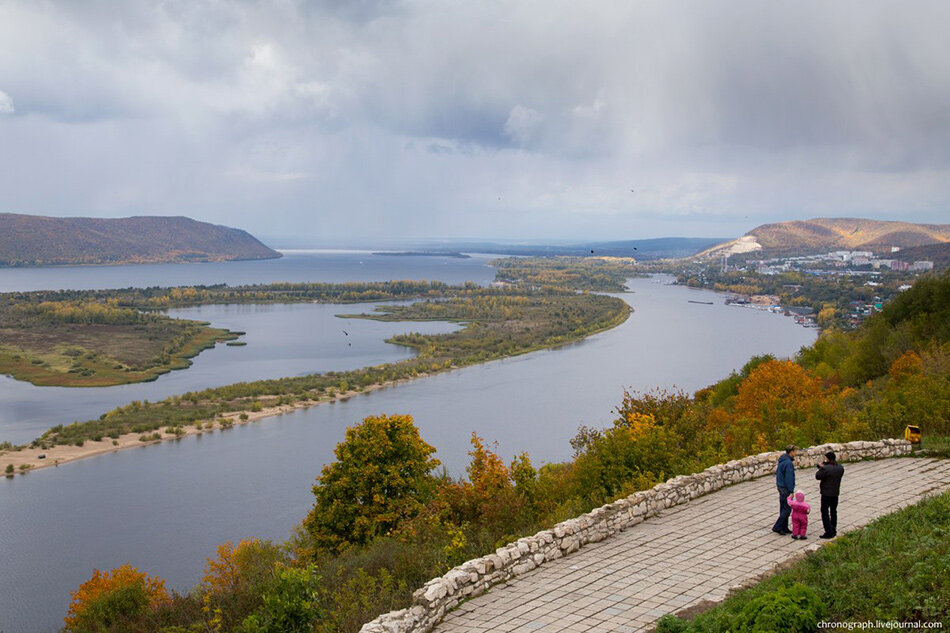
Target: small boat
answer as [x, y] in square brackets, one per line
[705, 303]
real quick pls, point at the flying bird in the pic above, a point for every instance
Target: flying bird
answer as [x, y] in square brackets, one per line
[345, 332]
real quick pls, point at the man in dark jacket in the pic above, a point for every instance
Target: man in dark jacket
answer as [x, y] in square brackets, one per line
[785, 482]
[829, 475]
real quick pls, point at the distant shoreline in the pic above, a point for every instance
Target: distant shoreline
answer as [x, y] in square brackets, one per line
[139, 262]
[454, 254]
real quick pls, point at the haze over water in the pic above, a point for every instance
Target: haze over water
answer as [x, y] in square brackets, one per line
[165, 507]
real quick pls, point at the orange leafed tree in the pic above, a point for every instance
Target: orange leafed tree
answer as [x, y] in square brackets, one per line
[239, 566]
[773, 406]
[488, 498]
[223, 573]
[110, 597]
[907, 364]
[487, 471]
[776, 385]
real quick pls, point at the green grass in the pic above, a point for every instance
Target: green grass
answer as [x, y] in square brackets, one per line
[102, 355]
[935, 445]
[896, 568]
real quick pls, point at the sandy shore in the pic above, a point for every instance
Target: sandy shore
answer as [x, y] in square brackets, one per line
[29, 459]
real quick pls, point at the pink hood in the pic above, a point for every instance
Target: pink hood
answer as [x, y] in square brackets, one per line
[797, 502]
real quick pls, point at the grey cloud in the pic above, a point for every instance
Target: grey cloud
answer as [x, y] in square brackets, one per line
[416, 117]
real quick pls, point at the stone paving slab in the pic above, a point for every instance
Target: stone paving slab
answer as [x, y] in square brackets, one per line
[687, 554]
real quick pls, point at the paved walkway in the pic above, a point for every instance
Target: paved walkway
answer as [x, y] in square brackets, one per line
[688, 554]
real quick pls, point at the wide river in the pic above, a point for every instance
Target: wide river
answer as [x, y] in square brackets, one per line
[164, 508]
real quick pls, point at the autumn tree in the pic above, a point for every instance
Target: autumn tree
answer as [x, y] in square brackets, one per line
[634, 454]
[826, 316]
[234, 580]
[381, 477]
[487, 500]
[773, 402]
[113, 600]
[906, 365]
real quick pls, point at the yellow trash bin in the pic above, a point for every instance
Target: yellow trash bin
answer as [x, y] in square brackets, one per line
[912, 434]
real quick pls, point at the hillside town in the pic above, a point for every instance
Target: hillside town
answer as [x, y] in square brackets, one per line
[838, 288]
[839, 262]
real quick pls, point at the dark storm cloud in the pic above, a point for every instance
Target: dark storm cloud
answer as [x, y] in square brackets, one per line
[432, 118]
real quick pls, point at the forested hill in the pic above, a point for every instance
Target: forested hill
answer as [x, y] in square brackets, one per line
[30, 240]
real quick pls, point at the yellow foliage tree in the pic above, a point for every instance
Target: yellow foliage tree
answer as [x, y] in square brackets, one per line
[640, 424]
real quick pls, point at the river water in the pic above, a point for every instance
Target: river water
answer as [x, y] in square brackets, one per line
[164, 508]
[282, 340]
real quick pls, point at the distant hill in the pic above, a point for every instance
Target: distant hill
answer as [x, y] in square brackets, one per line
[31, 240]
[830, 234]
[644, 249]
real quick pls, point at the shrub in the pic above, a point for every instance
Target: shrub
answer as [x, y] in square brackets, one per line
[234, 580]
[361, 597]
[795, 609]
[112, 598]
[289, 604]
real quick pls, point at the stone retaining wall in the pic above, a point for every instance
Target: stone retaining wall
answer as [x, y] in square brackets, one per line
[474, 577]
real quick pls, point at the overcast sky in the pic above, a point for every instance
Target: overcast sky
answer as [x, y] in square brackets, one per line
[483, 118]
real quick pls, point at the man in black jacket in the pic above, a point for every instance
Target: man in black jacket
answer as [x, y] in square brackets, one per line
[829, 475]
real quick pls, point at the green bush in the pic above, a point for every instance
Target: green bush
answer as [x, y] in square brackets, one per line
[289, 604]
[790, 608]
[669, 623]
[795, 609]
[116, 611]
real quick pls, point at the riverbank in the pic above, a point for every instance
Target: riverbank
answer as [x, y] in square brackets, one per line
[28, 459]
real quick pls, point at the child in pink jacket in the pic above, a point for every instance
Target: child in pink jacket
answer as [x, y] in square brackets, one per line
[800, 511]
